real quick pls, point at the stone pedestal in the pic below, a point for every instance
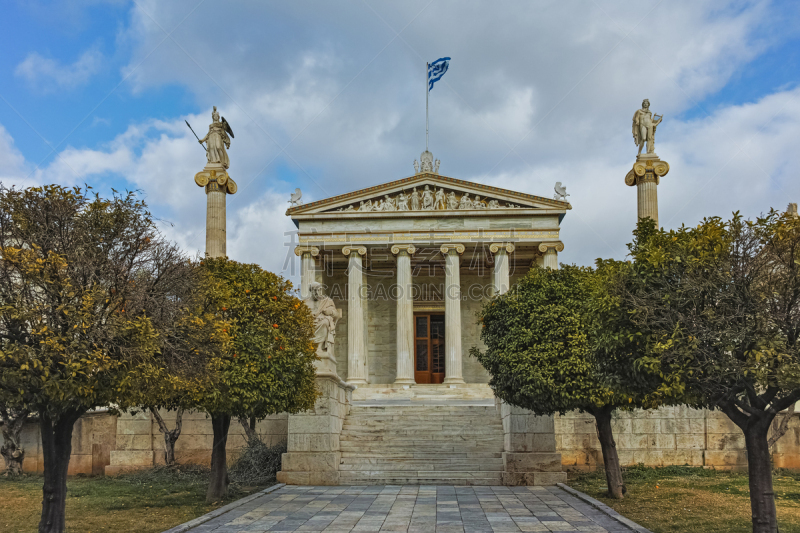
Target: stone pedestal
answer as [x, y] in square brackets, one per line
[313, 453]
[529, 456]
[646, 175]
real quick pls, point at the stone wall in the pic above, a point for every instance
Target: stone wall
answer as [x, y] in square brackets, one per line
[93, 440]
[667, 436]
[313, 453]
[140, 444]
[530, 456]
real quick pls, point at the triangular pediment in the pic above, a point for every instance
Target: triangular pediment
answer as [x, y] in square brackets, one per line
[424, 193]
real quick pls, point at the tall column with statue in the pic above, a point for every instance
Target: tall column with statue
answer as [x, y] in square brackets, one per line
[648, 169]
[217, 183]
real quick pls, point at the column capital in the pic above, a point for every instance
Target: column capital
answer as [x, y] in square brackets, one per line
[497, 246]
[360, 250]
[645, 171]
[300, 250]
[545, 246]
[408, 248]
[215, 180]
[459, 248]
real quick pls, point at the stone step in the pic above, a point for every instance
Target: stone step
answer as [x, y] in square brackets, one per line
[422, 444]
[401, 477]
[432, 410]
[421, 465]
[422, 438]
[472, 457]
[423, 432]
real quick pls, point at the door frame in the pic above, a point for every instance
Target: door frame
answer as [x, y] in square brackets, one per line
[427, 376]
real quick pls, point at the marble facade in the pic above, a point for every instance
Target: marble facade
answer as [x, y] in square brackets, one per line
[383, 266]
[417, 251]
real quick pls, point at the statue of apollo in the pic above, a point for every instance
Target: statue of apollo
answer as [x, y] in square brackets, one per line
[644, 127]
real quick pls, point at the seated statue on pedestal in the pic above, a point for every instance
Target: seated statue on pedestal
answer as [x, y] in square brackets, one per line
[325, 318]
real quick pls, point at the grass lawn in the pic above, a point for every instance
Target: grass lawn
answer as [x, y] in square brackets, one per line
[146, 502]
[684, 499]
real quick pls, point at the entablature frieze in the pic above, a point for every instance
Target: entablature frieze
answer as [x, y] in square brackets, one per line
[428, 237]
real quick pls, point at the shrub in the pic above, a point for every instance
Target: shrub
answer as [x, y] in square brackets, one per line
[258, 463]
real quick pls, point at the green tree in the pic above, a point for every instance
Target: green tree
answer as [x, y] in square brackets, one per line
[193, 339]
[543, 351]
[269, 367]
[76, 277]
[720, 303]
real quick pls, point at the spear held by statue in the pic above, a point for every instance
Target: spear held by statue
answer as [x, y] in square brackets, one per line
[195, 136]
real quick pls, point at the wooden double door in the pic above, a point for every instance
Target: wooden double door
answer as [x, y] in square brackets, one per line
[428, 348]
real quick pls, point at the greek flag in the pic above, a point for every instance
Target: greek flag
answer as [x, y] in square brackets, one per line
[436, 70]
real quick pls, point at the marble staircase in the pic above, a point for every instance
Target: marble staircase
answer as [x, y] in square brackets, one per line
[422, 443]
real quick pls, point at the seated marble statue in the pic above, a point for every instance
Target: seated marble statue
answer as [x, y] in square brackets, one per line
[325, 317]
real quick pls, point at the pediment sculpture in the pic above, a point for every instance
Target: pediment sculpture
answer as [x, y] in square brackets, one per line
[427, 198]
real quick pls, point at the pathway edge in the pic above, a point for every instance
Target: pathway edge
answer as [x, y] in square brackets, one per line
[186, 526]
[600, 506]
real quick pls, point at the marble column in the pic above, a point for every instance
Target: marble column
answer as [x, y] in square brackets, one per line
[356, 343]
[215, 180]
[550, 251]
[405, 315]
[307, 267]
[215, 221]
[501, 278]
[452, 313]
[646, 174]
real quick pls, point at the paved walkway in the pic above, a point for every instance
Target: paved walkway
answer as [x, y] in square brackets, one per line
[414, 509]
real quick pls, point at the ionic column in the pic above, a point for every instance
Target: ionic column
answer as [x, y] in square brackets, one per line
[452, 313]
[356, 345]
[501, 276]
[646, 175]
[217, 184]
[215, 221]
[550, 251]
[307, 267]
[405, 315]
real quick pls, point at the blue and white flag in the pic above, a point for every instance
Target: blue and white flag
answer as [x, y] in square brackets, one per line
[436, 70]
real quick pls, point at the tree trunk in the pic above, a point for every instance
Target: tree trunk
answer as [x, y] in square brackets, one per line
[218, 486]
[759, 469]
[56, 449]
[616, 486]
[12, 451]
[170, 437]
[249, 428]
[782, 426]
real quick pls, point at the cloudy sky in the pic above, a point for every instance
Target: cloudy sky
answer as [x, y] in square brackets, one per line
[330, 97]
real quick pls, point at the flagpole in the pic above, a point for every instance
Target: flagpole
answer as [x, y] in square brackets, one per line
[427, 68]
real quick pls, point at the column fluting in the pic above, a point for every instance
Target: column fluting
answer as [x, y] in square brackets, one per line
[405, 316]
[356, 345]
[452, 313]
[501, 278]
[215, 220]
[550, 251]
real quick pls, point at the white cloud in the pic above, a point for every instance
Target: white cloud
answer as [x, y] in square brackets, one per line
[48, 75]
[540, 93]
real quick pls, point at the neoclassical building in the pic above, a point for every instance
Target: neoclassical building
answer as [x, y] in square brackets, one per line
[408, 264]
[412, 261]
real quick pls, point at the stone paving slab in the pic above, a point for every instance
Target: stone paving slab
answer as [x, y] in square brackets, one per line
[414, 509]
